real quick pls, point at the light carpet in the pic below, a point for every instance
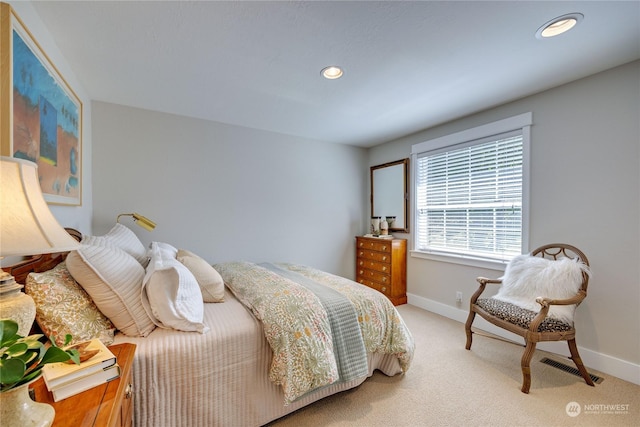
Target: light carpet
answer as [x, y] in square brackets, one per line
[450, 386]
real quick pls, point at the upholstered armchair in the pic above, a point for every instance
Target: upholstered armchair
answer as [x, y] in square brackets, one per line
[537, 299]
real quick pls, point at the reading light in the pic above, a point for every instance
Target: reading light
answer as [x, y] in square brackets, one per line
[332, 72]
[142, 221]
[27, 227]
[559, 25]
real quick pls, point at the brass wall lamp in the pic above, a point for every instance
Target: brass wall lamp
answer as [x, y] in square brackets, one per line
[142, 221]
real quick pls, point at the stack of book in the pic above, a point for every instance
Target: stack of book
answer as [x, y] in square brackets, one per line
[67, 379]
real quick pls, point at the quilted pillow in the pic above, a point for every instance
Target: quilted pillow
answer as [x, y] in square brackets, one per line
[113, 279]
[166, 250]
[63, 307]
[528, 277]
[209, 280]
[171, 294]
[121, 237]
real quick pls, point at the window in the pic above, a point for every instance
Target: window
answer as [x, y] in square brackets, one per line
[471, 191]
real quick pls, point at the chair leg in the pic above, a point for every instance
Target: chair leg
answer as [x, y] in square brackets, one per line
[467, 328]
[525, 364]
[575, 356]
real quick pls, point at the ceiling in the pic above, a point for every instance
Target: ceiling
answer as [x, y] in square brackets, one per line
[408, 65]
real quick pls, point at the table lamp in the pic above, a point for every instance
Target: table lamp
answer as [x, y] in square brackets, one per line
[27, 227]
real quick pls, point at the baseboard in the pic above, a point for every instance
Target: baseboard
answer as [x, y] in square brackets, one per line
[592, 359]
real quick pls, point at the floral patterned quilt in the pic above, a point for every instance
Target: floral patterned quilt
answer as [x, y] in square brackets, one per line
[297, 328]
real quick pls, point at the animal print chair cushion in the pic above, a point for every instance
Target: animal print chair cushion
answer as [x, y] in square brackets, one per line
[521, 316]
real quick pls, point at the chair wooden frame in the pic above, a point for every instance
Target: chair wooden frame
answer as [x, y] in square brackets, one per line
[532, 335]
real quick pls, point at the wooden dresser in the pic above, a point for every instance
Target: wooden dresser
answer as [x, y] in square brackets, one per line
[107, 405]
[381, 264]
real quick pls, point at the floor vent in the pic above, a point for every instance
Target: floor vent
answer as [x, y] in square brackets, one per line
[570, 369]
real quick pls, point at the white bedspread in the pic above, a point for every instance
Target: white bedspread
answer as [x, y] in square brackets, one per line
[219, 378]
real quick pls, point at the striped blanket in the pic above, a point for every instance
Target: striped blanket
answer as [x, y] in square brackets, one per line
[319, 326]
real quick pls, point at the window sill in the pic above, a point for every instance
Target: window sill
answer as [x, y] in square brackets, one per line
[462, 260]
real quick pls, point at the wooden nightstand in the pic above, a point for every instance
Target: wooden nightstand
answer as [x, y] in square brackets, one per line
[108, 405]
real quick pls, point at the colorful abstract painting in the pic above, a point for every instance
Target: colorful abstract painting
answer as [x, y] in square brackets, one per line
[46, 121]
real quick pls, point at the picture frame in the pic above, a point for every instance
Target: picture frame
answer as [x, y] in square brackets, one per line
[40, 114]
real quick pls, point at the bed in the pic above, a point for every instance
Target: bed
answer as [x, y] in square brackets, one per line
[244, 360]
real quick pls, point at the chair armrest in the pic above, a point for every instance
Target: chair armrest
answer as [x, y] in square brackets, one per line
[576, 299]
[483, 282]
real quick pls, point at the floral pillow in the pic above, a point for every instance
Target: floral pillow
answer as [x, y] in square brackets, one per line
[63, 307]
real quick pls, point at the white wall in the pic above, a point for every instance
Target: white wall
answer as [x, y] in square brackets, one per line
[78, 217]
[585, 190]
[227, 192]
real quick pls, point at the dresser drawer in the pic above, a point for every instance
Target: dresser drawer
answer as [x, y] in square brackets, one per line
[380, 246]
[375, 276]
[126, 412]
[377, 286]
[375, 256]
[383, 267]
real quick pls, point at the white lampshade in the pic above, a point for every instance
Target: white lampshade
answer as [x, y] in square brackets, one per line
[27, 226]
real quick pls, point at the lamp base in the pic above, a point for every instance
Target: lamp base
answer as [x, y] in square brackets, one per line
[17, 409]
[17, 305]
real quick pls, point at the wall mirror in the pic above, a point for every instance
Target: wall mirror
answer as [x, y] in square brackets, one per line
[390, 193]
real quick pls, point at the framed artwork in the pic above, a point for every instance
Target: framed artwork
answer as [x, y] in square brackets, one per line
[40, 115]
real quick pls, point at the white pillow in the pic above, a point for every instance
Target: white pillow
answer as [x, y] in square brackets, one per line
[171, 294]
[166, 251]
[210, 281]
[113, 279]
[121, 237]
[528, 277]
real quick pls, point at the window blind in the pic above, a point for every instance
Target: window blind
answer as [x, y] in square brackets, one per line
[469, 198]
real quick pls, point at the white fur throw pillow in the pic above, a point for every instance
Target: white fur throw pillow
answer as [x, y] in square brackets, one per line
[528, 277]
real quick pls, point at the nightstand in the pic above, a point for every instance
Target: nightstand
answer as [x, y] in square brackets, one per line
[108, 405]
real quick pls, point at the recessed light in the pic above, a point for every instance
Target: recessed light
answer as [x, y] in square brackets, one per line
[332, 72]
[559, 25]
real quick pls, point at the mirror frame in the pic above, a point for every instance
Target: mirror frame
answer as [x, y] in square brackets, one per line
[405, 165]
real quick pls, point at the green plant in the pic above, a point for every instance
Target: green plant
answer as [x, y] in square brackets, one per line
[22, 358]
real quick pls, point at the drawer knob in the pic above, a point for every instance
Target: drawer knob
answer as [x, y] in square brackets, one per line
[384, 279]
[361, 272]
[384, 289]
[384, 258]
[384, 248]
[129, 391]
[361, 262]
[384, 268]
